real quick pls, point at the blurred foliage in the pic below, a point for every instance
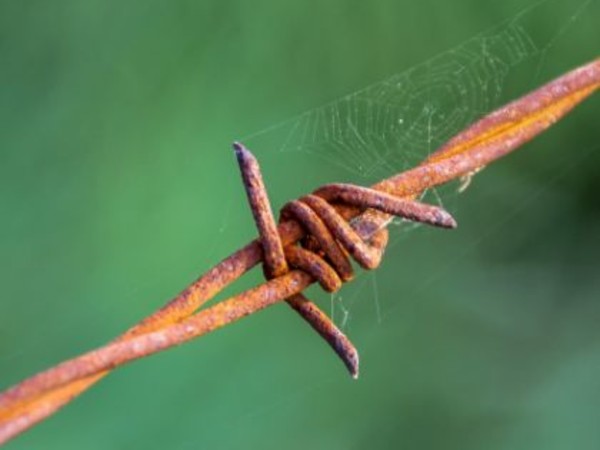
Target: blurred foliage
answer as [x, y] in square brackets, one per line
[118, 187]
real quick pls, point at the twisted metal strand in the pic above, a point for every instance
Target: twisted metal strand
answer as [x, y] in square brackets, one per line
[311, 263]
[309, 219]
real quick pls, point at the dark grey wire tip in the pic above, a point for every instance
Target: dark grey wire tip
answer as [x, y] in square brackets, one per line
[242, 153]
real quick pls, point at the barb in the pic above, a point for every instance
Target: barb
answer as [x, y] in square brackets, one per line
[328, 229]
[275, 262]
[499, 133]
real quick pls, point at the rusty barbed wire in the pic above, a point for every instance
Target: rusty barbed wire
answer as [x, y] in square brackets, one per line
[492, 137]
[325, 257]
[275, 261]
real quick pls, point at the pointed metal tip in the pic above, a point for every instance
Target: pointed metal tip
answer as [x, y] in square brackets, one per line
[238, 147]
[445, 219]
[352, 362]
[452, 222]
[242, 152]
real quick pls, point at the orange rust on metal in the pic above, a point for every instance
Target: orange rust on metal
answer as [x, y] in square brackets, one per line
[390, 204]
[302, 259]
[364, 253]
[498, 133]
[314, 226]
[329, 229]
[334, 337]
[494, 136]
[273, 256]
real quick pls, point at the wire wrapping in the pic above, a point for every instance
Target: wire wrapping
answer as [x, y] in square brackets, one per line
[329, 241]
[330, 230]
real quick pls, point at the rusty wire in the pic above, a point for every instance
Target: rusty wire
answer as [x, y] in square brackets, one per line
[492, 137]
[325, 255]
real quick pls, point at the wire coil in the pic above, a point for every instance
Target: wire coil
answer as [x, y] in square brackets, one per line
[329, 241]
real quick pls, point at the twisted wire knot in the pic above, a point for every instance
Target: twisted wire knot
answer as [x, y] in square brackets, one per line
[330, 240]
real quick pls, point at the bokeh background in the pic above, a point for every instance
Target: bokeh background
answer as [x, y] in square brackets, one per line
[118, 187]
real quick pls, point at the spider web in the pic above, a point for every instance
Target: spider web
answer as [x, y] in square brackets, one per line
[392, 125]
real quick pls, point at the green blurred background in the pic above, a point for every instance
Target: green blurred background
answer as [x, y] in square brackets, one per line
[119, 187]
